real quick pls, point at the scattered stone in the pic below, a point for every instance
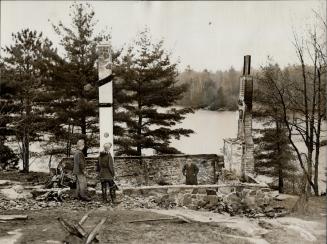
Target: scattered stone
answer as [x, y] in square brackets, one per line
[202, 191]
[195, 191]
[5, 182]
[211, 192]
[266, 225]
[187, 200]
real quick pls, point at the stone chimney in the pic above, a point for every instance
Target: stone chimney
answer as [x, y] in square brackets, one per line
[245, 117]
[105, 94]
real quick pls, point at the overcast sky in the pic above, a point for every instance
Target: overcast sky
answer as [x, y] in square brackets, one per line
[212, 35]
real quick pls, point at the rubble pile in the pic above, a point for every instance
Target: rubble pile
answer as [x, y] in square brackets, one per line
[246, 202]
[26, 204]
[249, 203]
[238, 199]
[54, 194]
[151, 202]
[48, 200]
[17, 196]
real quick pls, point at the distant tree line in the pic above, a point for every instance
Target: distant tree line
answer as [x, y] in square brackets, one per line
[210, 90]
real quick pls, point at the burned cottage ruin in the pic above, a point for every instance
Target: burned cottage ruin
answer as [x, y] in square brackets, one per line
[167, 169]
[158, 181]
[238, 152]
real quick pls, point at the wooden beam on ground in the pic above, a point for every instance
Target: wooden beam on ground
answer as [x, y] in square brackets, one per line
[13, 217]
[77, 231]
[71, 229]
[183, 218]
[161, 219]
[150, 220]
[84, 218]
[95, 231]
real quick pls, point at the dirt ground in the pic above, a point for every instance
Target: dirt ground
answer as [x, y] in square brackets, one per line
[42, 225]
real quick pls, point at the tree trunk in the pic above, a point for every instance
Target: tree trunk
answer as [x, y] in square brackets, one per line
[280, 165]
[319, 118]
[139, 135]
[26, 155]
[139, 125]
[316, 170]
[280, 181]
[83, 129]
[312, 125]
[26, 137]
[309, 166]
[68, 142]
[293, 184]
[49, 164]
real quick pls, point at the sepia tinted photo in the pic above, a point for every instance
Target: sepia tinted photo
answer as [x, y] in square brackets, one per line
[163, 122]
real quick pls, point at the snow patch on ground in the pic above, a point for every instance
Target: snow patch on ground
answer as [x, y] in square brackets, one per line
[245, 225]
[307, 231]
[5, 182]
[304, 233]
[15, 192]
[248, 239]
[12, 239]
[264, 179]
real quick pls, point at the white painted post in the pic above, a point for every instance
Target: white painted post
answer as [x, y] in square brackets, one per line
[105, 95]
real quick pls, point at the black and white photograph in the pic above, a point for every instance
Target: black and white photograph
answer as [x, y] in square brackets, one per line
[163, 122]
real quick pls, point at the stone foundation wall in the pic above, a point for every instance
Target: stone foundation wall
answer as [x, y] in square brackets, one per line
[156, 170]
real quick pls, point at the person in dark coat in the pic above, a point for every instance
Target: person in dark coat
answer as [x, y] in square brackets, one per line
[78, 171]
[105, 168]
[190, 171]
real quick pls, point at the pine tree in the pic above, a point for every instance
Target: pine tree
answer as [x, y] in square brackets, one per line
[273, 154]
[148, 90]
[75, 107]
[25, 70]
[7, 108]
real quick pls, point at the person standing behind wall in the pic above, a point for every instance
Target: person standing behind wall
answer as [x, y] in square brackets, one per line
[190, 171]
[78, 171]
